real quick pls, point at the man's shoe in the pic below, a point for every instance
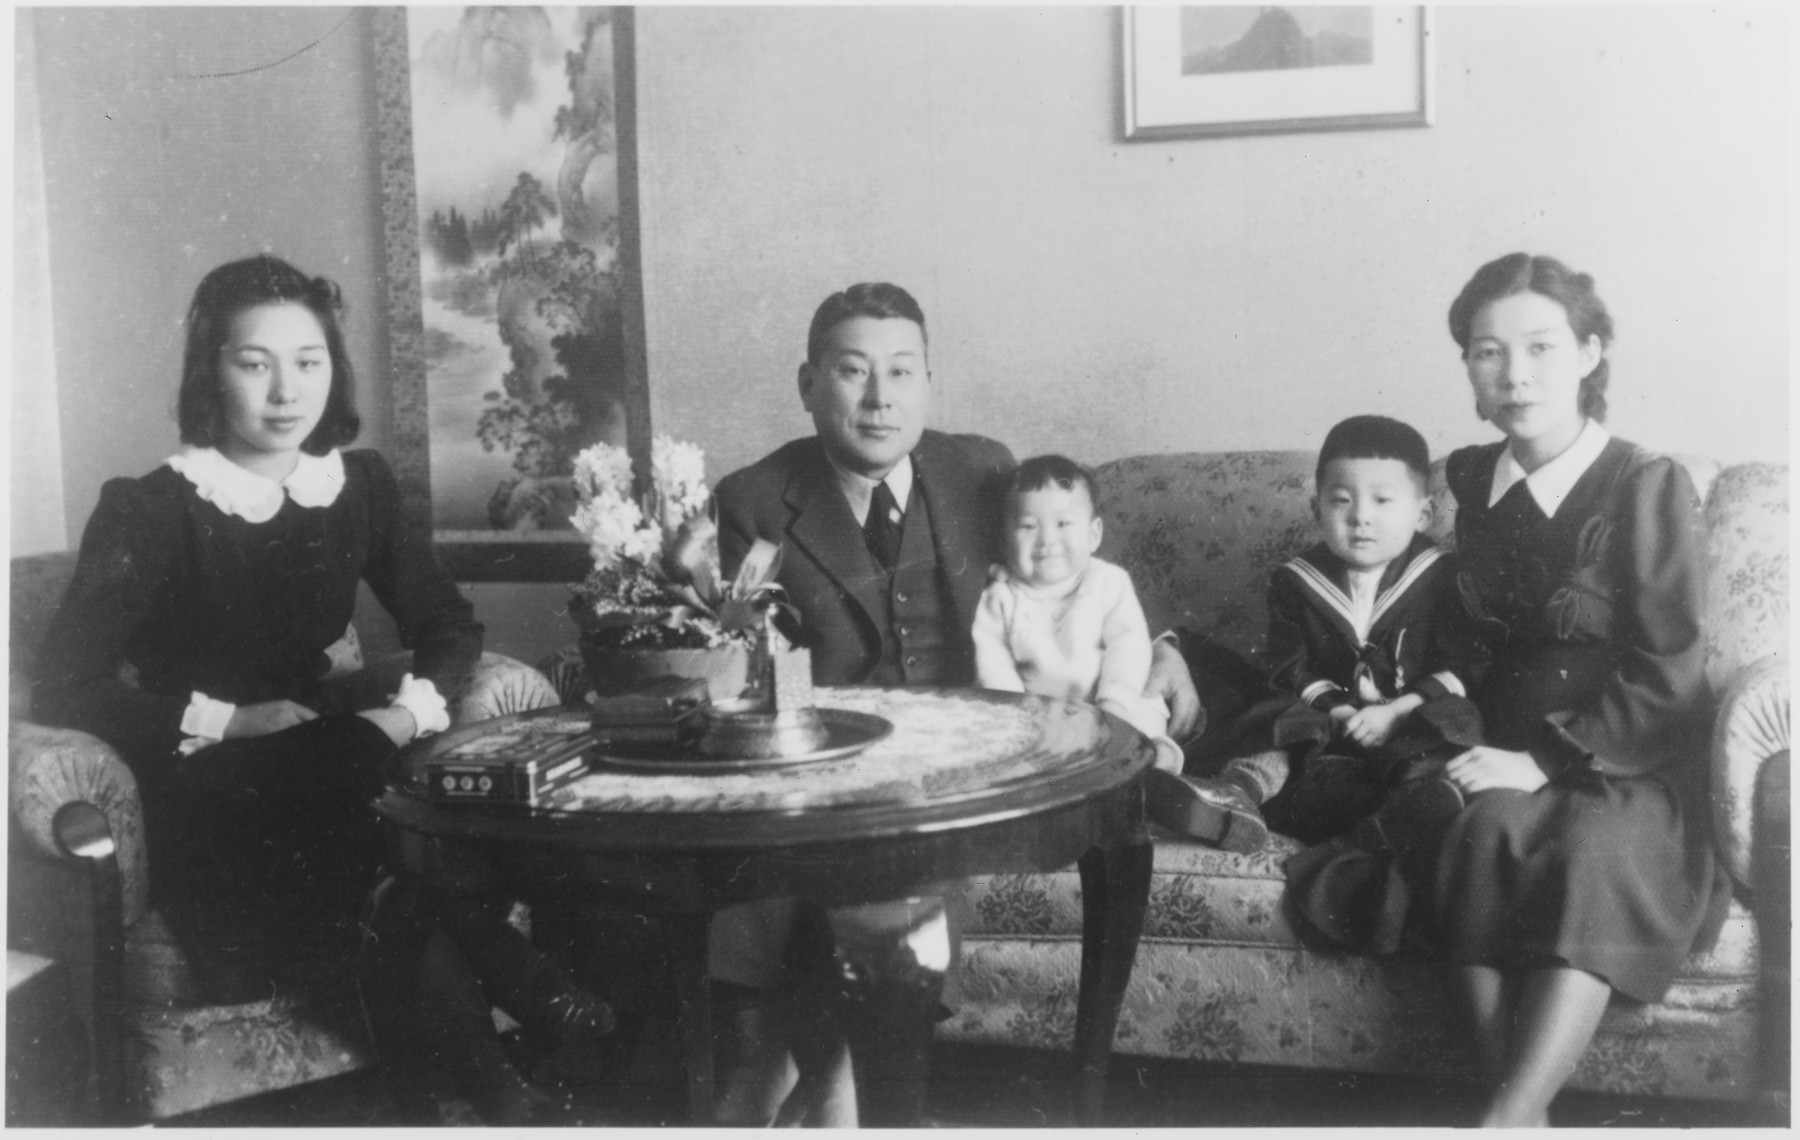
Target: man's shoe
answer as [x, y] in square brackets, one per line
[1213, 811]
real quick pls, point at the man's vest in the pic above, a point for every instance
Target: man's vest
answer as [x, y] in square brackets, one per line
[919, 642]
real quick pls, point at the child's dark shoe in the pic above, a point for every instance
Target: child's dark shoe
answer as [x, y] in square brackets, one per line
[1212, 811]
[1413, 818]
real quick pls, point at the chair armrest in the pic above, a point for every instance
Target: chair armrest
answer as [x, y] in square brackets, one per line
[499, 685]
[1753, 727]
[57, 779]
[567, 673]
[502, 685]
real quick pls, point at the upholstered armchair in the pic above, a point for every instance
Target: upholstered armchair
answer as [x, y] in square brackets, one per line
[78, 890]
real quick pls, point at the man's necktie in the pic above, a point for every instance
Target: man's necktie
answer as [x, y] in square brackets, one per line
[882, 530]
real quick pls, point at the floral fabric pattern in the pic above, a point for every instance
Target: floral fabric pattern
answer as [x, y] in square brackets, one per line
[181, 1060]
[1747, 569]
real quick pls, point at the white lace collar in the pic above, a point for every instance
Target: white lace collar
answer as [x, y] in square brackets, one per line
[314, 482]
[1551, 483]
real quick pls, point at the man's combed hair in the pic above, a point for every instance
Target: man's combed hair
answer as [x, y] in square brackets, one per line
[1376, 437]
[1042, 471]
[876, 299]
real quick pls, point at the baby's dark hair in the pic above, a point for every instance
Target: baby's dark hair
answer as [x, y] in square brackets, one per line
[1376, 437]
[1042, 471]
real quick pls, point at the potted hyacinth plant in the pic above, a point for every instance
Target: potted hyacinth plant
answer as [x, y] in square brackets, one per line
[653, 604]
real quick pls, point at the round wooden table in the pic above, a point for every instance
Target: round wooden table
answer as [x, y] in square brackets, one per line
[969, 783]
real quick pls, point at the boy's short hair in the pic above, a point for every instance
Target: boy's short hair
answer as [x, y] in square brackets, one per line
[1376, 437]
[877, 299]
[1042, 471]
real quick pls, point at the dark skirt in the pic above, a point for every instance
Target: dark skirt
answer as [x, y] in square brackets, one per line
[1615, 877]
[263, 850]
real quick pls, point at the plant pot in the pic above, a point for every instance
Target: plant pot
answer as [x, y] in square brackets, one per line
[726, 669]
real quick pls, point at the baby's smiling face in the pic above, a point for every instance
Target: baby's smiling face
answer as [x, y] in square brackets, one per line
[1052, 534]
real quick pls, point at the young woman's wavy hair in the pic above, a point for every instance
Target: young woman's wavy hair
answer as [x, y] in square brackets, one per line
[221, 296]
[1524, 273]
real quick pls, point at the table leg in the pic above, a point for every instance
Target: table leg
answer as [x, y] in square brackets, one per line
[694, 998]
[1115, 889]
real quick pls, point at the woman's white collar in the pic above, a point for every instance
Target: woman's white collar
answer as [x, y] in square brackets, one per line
[1551, 483]
[314, 482]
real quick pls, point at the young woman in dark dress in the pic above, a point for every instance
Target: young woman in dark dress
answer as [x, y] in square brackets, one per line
[1581, 865]
[210, 604]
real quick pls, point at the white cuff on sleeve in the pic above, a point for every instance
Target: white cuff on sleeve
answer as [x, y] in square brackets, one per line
[204, 722]
[1451, 682]
[1318, 689]
[420, 697]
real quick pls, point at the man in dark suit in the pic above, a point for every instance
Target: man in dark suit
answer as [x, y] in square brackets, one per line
[905, 620]
[888, 530]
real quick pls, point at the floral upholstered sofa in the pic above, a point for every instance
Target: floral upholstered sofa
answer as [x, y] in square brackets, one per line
[78, 889]
[1221, 977]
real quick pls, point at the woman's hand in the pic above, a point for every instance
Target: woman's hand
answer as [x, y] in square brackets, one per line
[393, 720]
[1169, 680]
[268, 717]
[1482, 769]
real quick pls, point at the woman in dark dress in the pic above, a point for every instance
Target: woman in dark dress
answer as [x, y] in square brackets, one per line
[1582, 864]
[210, 605]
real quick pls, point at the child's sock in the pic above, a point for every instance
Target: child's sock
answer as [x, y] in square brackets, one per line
[1260, 774]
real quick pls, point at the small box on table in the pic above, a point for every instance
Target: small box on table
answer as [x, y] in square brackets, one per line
[664, 711]
[511, 766]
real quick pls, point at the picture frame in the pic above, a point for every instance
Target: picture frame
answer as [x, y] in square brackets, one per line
[540, 550]
[1214, 71]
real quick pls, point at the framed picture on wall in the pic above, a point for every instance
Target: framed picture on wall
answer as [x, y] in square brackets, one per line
[1234, 70]
[515, 307]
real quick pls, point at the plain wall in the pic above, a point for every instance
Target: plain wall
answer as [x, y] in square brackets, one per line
[1106, 298]
[1085, 294]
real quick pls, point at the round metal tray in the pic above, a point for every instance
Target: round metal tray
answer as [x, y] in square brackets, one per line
[848, 733]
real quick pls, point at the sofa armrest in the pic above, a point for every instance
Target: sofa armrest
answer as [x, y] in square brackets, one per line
[1752, 728]
[500, 685]
[57, 779]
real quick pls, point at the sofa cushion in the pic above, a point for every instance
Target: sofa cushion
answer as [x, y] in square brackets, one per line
[1269, 1006]
[1203, 896]
[1200, 532]
[1747, 568]
[1220, 976]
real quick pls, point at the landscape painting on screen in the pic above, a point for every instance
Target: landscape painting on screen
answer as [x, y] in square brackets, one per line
[1225, 39]
[517, 184]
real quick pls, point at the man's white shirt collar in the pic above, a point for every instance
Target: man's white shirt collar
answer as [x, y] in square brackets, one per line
[859, 489]
[1551, 483]
[314, 482]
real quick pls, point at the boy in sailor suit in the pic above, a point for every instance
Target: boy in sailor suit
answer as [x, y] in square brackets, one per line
[1367, 635]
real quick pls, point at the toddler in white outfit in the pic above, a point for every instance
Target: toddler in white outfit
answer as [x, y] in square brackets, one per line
[1058, 622]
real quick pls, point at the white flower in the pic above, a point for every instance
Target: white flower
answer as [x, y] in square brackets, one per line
[679, 470]
[603, 469]
[615, 528]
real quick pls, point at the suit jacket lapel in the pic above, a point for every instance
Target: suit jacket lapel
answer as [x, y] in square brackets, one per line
[958, 519]
[826, 531]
